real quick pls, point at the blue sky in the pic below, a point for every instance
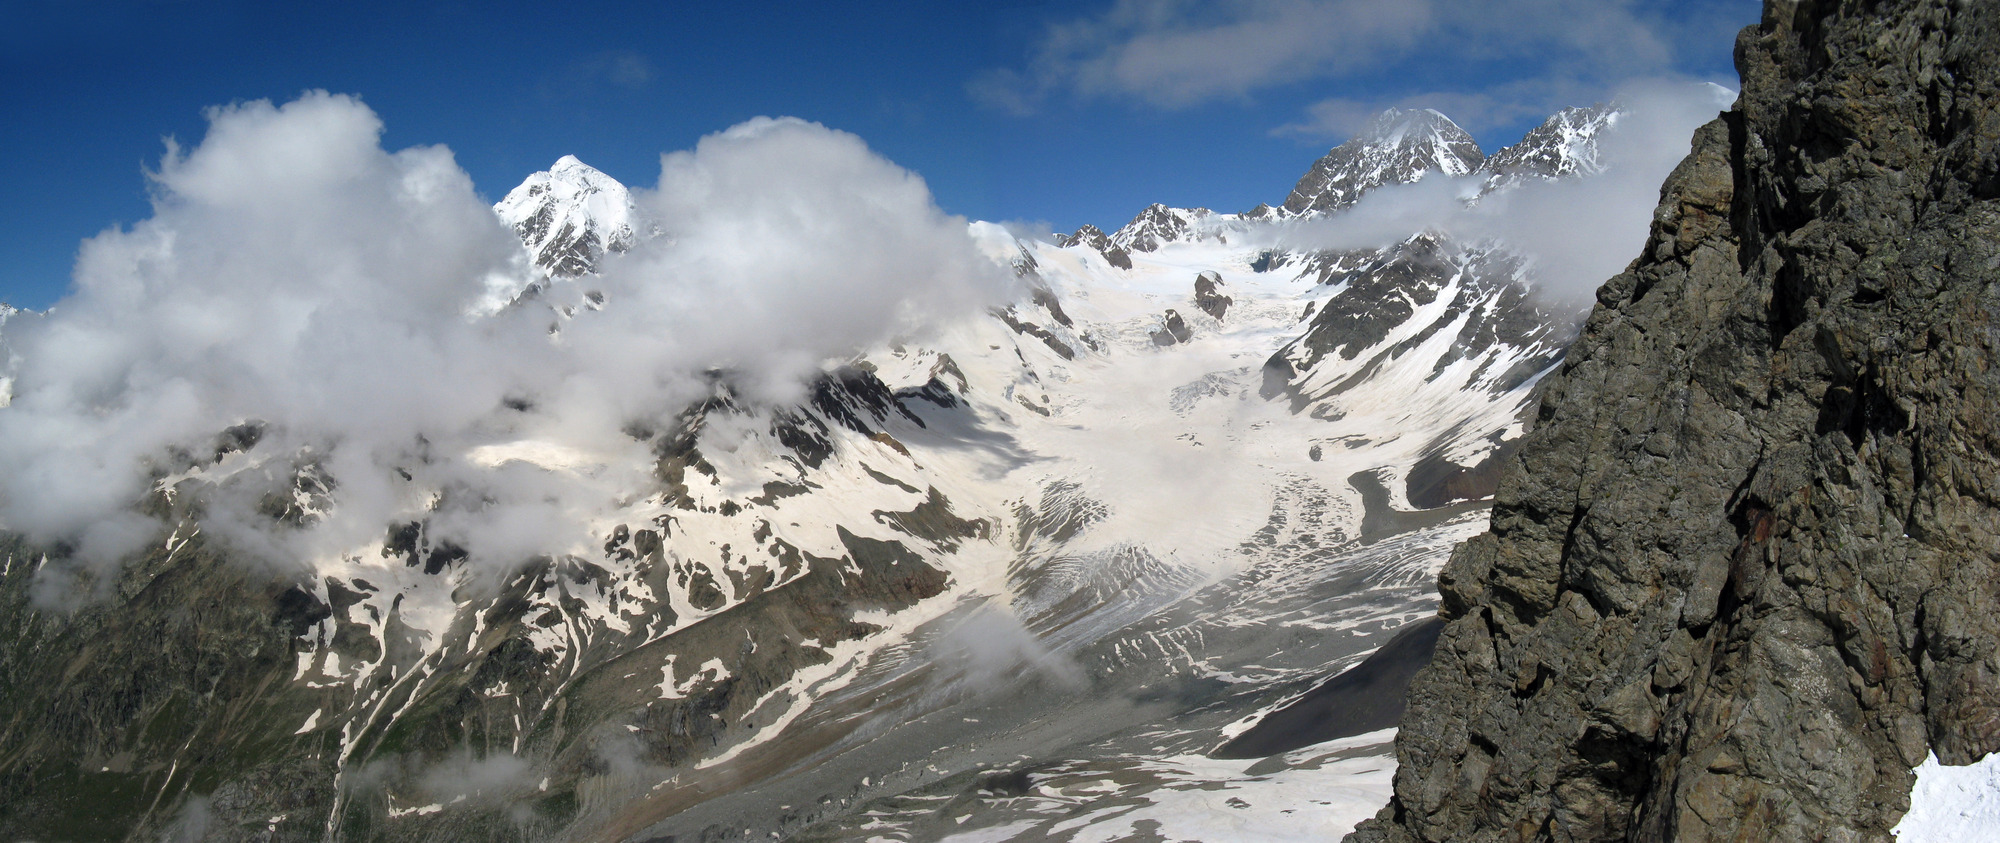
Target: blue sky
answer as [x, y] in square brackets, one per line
[1055, 113]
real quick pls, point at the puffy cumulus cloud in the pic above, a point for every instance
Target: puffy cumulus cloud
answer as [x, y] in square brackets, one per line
[297, 277]
[293, 272]
[1576, 232]
[788, 241]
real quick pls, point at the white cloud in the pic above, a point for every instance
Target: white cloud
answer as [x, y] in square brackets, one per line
[990, 649]
[1525, 53]
[498, 778]
[1338, 118]
[1173, 53]
[1578, 232]
[783, 229]
[296, 274]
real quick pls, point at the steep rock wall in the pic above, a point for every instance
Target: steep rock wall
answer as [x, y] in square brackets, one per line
[1746, 570]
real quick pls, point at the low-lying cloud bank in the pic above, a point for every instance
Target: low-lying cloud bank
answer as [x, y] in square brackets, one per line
[298, 277]
[1577, 232]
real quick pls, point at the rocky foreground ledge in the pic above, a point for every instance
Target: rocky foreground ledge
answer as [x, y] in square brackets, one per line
[1746, 571]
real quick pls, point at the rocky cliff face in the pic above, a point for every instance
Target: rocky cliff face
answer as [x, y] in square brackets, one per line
[1746, 571]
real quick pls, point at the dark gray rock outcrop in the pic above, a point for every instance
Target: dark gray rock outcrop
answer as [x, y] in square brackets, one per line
[1745, 572]
[1173, 329]
[1095, 238]
[1492, 312]
[1208, 295]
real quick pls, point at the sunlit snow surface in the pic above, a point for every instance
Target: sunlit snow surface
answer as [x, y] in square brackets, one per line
[1951, 804]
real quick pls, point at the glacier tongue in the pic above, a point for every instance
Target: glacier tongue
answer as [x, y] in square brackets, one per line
[1158, 528]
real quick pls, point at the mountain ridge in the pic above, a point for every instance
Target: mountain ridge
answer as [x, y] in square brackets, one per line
[1396, 147]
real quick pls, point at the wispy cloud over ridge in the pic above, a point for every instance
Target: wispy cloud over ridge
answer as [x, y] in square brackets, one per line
[1340, 117]
[1577, 232]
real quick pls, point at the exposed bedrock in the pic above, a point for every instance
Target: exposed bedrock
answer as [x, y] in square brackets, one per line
[1742, 575]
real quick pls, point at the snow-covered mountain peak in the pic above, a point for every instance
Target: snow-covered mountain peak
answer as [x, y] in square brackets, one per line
[1396, 147]
[571, 164]
[1093, 237]
[1160, 224]
[570, 215]
[1395, 125]
[1156, 226]
[1564, 145]
[1086, 235]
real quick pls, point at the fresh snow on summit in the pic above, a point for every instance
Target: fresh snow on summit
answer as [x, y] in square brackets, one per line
[1397, 147]
[570, 215]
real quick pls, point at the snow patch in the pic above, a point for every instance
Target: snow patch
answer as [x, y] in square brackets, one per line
[1949, 804]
